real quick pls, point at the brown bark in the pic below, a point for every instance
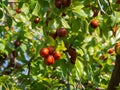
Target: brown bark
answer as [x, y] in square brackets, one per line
[115, 78]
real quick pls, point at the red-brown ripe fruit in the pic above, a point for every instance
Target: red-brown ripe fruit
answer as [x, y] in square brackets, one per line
[51, 49]
[72, 52]
[53, 35]
[56, 55]
[44, 52]
[111, 50]
[61, 32]
[118, 2]
[73, 60]
[58, 3]
[94, 23]
[95, 11]
[66, 3]
[36, 20]
[17, 43]
[47, 21]
[103, 57]
[18, 10]
[49, 60]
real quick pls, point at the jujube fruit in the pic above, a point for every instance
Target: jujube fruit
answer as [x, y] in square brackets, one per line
[58, 3]
[61, 32]
[53, 35]
[44, 52]
[56, 55]
[18, 10]
[94, 23]
[51, 49]
[72, 52]
[95, 11]
[103, 57]
[111, 50]
[66, 3]
[17, 43]
[36, 20]
[73, 60]
[49, 60]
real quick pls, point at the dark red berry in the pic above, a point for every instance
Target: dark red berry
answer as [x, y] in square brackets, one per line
[44, 52]
[66, 3]
[49, 60]
[73, 60]
[72, 52]
[17, 43]
[36, 20]
[57, 55]
[95, 11]
[58, 3]
[18, 10]
[94, 23]
[53, 35]
[61, 32]
[111, 50]
[51, 49]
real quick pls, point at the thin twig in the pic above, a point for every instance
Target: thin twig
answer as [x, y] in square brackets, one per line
[101, 8]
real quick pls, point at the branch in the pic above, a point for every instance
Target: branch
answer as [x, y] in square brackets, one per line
[101, 8]
[16, 70]
[115, 78]
[29, 68]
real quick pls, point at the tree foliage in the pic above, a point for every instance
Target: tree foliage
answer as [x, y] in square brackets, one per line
[27, 26]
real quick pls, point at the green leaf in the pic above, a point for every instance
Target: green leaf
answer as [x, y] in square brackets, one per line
[79, 67]
[75, 25]
[36, 9]
[79, 12]
[1, 14]
[64, 23]
[84, 26]
[2, 46]
[9, 21]
[23, 47]
[32, 6]
[4, 79]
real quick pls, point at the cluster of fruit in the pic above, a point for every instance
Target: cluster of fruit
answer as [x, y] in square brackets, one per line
[62, 3]
[61, 32]
[50, 55]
